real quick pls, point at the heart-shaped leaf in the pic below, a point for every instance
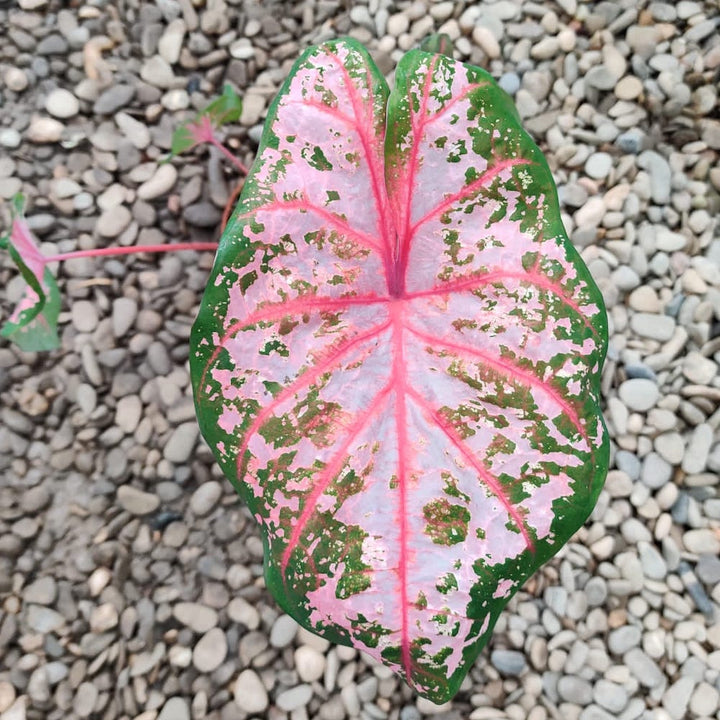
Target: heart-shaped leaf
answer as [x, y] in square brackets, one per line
[32, 326]
[397, 359]
[224, 109]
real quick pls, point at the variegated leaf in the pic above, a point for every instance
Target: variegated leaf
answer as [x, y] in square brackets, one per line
[397, 359]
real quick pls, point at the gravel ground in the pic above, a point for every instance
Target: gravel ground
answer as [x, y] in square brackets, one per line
[130, 576]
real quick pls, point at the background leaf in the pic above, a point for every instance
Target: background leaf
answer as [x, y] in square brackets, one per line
[397, 358]
[33, 323]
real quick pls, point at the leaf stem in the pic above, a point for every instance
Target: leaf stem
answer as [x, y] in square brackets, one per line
[240, 166]
[96, 252]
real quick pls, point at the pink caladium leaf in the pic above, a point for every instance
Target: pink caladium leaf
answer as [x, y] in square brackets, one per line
[32, 326]
[397, 359]
[224, 109]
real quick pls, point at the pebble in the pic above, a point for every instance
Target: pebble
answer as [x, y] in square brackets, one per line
[85, 698]
[210, 651]
[655, 327]
[250, 693]
[695, 457]
[242, 612]
[62, 104]
[628, 88]
[639, 394]
[206, 498]
[135, 131]
[508, 662]
[310, 664]
[44, 130]
[157, 72]
[160, 183]
[181, 443]
[656, 471]
[598, 165]
[42, 591]
[705, 700]
[294, 698]
[84, 315]
[113, 221]
[137, 502]
[623, 639]
[15, 79]
[113, 99]
[7, 695]
[198, 618]
[660, 175]
[124, 314]
[175, 708]
[701, 541]
[283, 631]
[676, 698]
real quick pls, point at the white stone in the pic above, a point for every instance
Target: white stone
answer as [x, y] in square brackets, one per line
[135, 131]
[250, 693]
[677, 696]
[62, 104]
[639, 394]
[310, 664]
[704, 700]
[696, 455]
[170, 43]
[294, 698]
[701, 541]
[655, 327]
[44, 130]
[176, 708]
[160, 183]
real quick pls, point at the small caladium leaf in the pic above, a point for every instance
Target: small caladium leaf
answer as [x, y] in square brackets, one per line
[32, 326]
[225, 109]
[397, 359]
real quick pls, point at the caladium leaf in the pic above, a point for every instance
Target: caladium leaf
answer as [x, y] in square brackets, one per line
[225, 109]
[397, 358]
[32, 326]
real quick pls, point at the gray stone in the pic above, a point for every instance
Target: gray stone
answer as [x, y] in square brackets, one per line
[113, 99]
[210, 651]
[198, 618]
[656, 471]
[85, 698]
[283, 631]
[124, 314]
[181, 444]
[623, 639]
[206, 498]
[42, 591]
[508, 662]
[113, 221]
[44, 620]
[136, 501]
[653, 564]
[639, 394]
[660, 174]
[575, 690]
[643, 668]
